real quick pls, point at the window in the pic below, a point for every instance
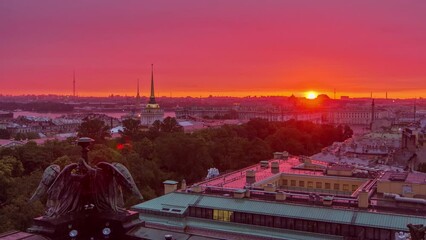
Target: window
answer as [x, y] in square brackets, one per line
[198, 212]
[327, 185]
[285, 182]
[222, 215]
[301, 184]
[293, 183]
[345, 187]
[310, 184]
[336, 186]
[354, 188]
[256, 219]
[277, 222]
[319, 185]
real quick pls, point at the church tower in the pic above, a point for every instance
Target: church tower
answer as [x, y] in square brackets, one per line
[138, 98]
[152, 111]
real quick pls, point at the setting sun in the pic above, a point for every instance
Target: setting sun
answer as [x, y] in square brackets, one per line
[311, 95]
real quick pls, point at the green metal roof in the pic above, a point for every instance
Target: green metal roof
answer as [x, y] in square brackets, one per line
[232, 228]
[315, 213]
[387, 221]
[168, 201]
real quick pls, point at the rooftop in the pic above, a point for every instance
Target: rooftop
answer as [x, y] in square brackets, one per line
[316, 213]
[237, 178]
[407, 177]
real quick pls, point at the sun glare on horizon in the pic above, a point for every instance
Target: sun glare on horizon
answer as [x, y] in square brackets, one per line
[311, 95]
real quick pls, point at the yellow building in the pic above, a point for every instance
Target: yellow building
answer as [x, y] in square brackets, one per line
[404, 184]
[313, 183]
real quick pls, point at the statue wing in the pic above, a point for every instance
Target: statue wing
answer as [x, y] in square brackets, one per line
[49, 176]
[61, 183]
[123, 175]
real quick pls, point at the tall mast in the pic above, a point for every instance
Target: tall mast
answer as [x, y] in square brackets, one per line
[73, 84]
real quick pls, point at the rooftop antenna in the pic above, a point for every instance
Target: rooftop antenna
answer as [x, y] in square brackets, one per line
[372, 114]
[334, 94]
[386, 95]
[371, 94]
[415, 99]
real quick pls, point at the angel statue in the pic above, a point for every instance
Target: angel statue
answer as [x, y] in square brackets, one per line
[80, 186]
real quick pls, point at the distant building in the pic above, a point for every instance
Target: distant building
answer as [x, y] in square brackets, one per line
[361, 117]
[6, 115]
[152, 111]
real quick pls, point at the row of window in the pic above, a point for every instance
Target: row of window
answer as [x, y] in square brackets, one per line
[356, 115]
[319, 185]
[359, 232]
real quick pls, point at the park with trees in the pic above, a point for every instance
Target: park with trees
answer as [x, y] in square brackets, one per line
[153, 155]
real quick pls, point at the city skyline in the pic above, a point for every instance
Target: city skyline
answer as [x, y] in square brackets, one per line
[214, 48]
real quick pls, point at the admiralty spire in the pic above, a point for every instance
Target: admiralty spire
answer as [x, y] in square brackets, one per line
[152, 96]
[152, 111]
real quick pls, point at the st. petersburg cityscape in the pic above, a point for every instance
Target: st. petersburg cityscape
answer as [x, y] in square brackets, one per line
[213, 120]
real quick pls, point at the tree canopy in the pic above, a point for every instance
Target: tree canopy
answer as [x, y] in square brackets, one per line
[152, 156]
[95, 129]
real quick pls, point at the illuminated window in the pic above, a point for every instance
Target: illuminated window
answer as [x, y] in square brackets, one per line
[293, 183]
[336, 186]
[310, 184]
[301, 184]
[327, 185]
[222, 215]
[319, 185]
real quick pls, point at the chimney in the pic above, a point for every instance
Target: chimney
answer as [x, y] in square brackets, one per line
[250, 176]
[280, 196]
[307, 160]
[363, 201]
[270, 187]
[170, 186]
[275, 167]
[183, 185]
[285, 155]
[196, 188]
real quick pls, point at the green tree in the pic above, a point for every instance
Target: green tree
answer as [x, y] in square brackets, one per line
[95, 129]
[34, 157]
[10, 168]
[16, 213]
[102, 153]
[169, 125]
[182, 156]
[62, 161]
[144, 148]
[131, 129]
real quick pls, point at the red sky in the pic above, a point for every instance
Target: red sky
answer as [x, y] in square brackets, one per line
[218, 47]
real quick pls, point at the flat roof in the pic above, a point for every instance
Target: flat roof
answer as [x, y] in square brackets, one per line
[228, 230]
[237, 179]
[314, 213]
[407, 177]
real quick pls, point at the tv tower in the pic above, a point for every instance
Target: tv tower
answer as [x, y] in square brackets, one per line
[73, 84]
